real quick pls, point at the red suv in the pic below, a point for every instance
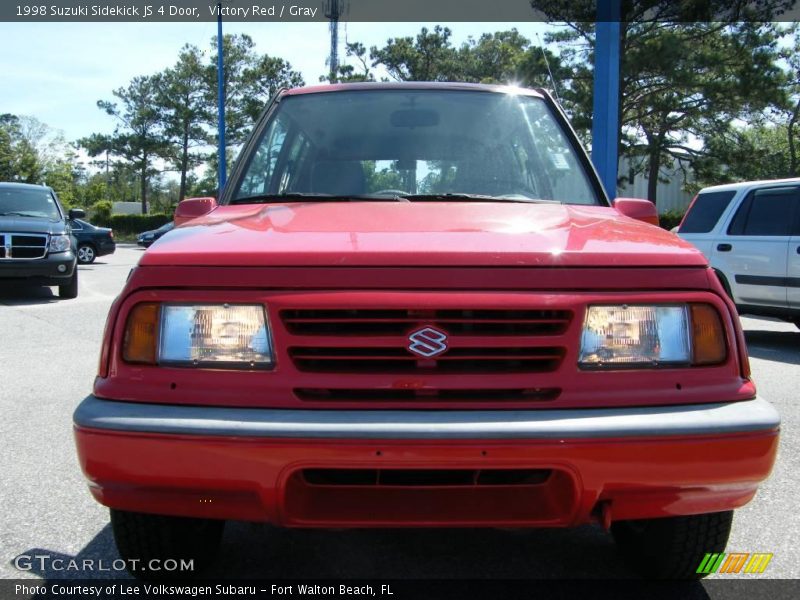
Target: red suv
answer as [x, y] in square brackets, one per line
[413, 305]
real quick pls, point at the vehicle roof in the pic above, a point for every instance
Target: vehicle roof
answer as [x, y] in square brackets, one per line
[14, 185]
[412, 85]
[726, 187]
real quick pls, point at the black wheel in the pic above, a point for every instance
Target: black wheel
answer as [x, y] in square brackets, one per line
[70, 290]
[151, 545]
[86, 254]
[672, 547]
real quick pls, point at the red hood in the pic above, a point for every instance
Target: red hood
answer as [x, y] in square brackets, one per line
[419, 234]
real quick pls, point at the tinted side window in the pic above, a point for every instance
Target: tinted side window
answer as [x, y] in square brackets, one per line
[262, 165]
[796, 228]
[766, 212]
[706, 211]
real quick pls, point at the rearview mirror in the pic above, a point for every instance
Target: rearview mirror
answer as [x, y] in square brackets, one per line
[636, 208]
[191, 208]
[76, 213]
[414, 118]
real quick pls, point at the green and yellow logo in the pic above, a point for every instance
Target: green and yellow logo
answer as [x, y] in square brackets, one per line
[735, 562]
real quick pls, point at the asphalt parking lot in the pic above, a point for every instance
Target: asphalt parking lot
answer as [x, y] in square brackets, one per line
[48, 355]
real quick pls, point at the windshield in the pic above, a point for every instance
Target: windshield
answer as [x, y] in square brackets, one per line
[402, 143]
[28, 203]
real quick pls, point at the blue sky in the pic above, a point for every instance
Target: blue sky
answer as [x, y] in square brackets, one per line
[56, 72]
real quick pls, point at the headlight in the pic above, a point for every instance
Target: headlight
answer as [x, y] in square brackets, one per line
[59, 243]
[651, 336]
[202, 335]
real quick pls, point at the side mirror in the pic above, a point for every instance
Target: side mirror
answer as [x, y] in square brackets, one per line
[636, 208]
[191, 208]
[76, 213]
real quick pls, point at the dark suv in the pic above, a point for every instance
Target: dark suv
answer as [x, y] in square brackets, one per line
[36, 244]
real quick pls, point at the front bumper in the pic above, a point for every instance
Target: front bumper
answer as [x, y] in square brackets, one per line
[43, 271]
[252, 464]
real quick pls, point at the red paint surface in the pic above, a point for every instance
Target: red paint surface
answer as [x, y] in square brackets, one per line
[251, 479]
[391, 234]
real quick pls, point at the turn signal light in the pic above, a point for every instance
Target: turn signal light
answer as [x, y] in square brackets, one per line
[141, 334]
[708, 336]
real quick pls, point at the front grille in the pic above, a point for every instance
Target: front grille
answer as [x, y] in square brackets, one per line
[479, 357]
[23, 246]
[371, 359]
[376, 322]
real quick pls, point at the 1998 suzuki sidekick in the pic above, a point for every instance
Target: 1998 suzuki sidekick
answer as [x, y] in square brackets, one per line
[413, 305]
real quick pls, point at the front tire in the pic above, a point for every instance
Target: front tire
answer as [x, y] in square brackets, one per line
[70, 290]
[148, 543]
[672, 547]
[86, 254]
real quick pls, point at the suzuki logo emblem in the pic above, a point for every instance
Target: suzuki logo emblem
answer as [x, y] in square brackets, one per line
[427, 342]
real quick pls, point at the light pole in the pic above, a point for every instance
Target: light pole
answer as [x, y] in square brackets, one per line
[605, 117]
[221, 101]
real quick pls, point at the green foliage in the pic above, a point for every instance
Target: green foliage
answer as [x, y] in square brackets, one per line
[94, 189]
[505, 57]
[670, 218]
[348, 73]
[250, 80]
[184, 98]
[683, 78]
[735, 154]
[31, 152]
[385, 179]
[132, 224]
[788, 113]
[138, 138]
[508, 57]
[19, 159]
[428, 57]
[63, 179]
[171, 116]
[101, 212]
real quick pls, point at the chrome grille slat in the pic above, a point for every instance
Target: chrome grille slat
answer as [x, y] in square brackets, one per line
[22, 246]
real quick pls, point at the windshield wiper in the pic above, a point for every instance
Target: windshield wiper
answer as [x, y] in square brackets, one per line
[474, 198]
[265, 198]
[16, 213]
